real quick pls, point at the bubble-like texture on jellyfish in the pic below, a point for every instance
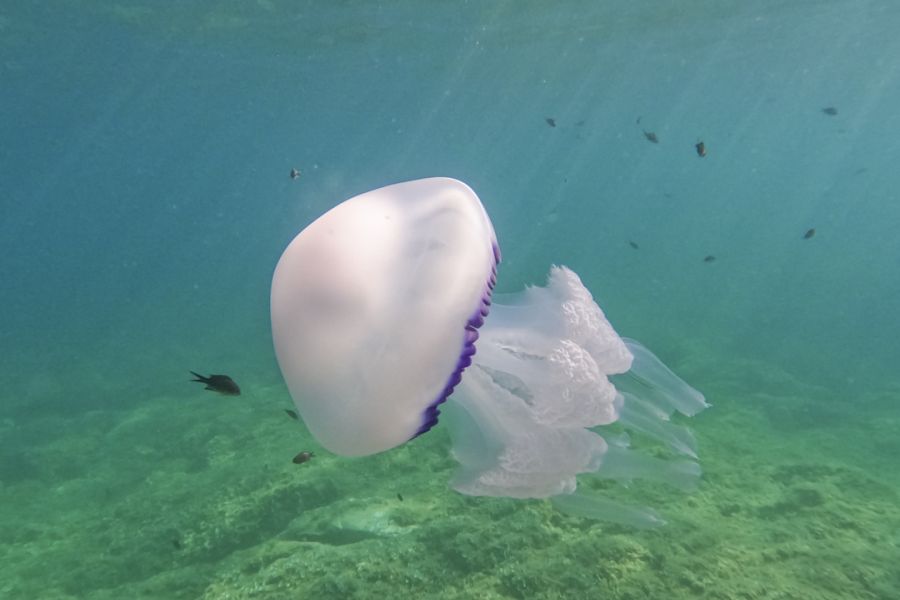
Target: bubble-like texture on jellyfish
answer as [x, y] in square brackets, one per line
[382, 310]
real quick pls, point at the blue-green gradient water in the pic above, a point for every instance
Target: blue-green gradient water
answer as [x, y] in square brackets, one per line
[145, 199]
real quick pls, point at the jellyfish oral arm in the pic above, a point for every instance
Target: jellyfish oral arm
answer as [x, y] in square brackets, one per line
[527, 419]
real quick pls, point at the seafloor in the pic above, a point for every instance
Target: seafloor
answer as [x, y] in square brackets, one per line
[196, 496]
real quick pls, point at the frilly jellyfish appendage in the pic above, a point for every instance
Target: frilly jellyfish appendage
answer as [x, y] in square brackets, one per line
[383, 317]
[522, 420]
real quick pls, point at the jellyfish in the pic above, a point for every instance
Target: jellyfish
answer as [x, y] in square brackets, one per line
[384, 319]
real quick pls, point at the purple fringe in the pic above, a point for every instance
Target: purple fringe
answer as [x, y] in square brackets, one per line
[430, 417]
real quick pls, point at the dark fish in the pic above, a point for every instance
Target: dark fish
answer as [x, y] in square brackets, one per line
[303, 457]
[218, 383]
[709, 258]
[295, 173]
[633, 245]
[580, 123]
[651, 137]
[399, 496]
[701, 149]
[292, 414]
[551, 121]
[830, 111]
[809, 233]
[176, 544]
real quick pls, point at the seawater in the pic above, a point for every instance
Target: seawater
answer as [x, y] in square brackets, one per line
[145, 193]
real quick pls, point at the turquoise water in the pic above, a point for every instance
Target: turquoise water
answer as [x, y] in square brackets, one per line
[145, 199]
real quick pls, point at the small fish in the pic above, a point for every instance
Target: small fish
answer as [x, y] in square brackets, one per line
[218, 383]
[633, 245]
[709, 258]
[580, 123]
[303, 457]
[701, 149]
[176, 544]
[291, 414]
[399, 496]
[830, 111]
[295, 173]
[551, 121]
[809, 233]
[651, 137]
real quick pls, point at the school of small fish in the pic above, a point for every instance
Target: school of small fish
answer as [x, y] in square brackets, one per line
[701, 151]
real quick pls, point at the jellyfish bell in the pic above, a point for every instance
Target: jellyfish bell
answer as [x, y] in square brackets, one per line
[383, 318]
[375, 307]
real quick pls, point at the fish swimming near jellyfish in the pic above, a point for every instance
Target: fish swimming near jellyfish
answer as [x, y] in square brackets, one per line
[303, 457]
[377, 307]
[222, 384]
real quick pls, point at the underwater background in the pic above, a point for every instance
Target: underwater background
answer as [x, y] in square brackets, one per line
[146, 197]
